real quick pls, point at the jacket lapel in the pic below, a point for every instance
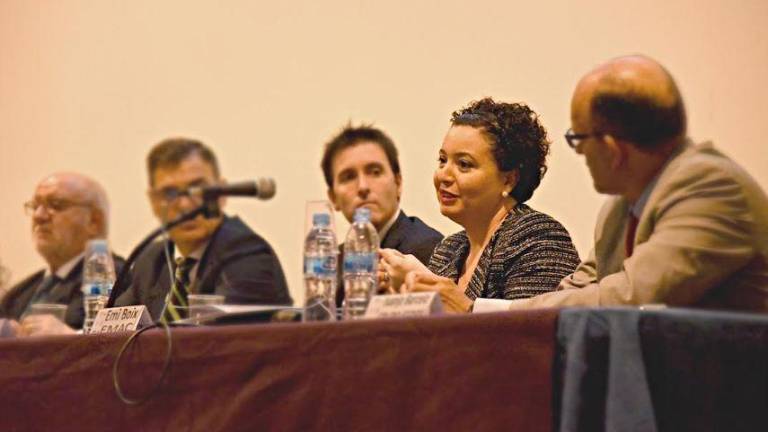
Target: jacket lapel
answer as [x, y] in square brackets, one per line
[63, 291]
[215, 254]
[609, 240]
[395, 234]
[647, 221]
[17, 300]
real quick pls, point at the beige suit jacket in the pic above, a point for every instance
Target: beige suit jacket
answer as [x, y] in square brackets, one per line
[701, 241]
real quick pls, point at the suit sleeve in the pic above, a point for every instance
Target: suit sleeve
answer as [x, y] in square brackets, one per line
[253, 278]
[424, 249]
[584, 275]
[130, 296]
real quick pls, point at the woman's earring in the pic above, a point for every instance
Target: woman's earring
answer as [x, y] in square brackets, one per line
[505, 194]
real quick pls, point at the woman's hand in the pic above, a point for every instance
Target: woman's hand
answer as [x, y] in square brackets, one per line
[393, 266]
[453, 298]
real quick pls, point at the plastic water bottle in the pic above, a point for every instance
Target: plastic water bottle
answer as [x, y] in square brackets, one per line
[361, 258]
[320, 278]
[98, 278]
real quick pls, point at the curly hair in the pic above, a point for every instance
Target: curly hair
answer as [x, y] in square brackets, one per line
[518, 141]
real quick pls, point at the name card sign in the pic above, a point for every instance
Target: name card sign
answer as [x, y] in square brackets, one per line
[121, 319]
[404, 305]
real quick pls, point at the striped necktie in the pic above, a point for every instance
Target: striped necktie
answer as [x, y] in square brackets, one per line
[629, 240]
[176, 308]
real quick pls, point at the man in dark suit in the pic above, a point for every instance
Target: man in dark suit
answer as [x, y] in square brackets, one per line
[67, 211]
[218, 255]
[361, 169]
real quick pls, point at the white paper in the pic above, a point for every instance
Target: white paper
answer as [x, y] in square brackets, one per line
[404, 305]
[491, 305]
[249, 308]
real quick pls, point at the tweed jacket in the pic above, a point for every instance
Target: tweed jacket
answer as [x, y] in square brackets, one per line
[701, 241]
[528, 254]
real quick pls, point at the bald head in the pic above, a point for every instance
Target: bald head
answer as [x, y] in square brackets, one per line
[69, 210]
[632, 98]
[83, 189]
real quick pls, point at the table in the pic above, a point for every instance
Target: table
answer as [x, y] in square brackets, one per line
[572, 370]
[488, 372]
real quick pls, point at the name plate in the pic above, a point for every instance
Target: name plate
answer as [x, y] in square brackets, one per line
[121, 319]
[404, 305]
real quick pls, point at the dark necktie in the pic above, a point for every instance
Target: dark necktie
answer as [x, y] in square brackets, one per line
[629, 240]
[43, 292]
[177, 303]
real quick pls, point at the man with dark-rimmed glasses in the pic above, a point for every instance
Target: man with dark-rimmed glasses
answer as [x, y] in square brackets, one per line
[684, 226]
[220, 255]
[67, 210]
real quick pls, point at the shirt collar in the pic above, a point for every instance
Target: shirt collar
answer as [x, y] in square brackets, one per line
[64, 270]
[197, 254]
[388, 225]
[637, 208]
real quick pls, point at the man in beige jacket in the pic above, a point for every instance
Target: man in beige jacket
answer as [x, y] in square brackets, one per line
[686, 226]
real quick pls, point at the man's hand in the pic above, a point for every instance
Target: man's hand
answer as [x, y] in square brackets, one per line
[43, 325]
[453, 298]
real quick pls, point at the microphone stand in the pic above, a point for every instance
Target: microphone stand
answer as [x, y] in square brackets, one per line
[209, 209]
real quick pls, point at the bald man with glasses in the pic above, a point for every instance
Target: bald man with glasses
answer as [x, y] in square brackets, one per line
[684, 225]
[67, 210]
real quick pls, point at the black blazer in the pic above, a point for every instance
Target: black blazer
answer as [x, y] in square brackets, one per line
[408, 235]
[68, 292]
[238, 264]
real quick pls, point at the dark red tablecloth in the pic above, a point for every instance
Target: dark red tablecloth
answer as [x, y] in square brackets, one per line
[486, 372]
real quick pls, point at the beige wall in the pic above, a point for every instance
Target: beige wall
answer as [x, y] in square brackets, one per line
[91, 85]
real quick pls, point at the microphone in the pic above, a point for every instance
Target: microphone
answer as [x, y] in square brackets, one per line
[262, 188]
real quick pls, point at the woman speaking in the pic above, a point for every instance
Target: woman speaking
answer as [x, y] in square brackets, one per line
[491, 160]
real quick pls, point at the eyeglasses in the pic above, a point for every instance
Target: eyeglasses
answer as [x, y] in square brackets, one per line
[171, 194]
[53, 205]
[574, 139]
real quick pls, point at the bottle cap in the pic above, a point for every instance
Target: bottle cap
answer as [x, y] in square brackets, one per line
[321, 219]
[97, 246]
[362, 214]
